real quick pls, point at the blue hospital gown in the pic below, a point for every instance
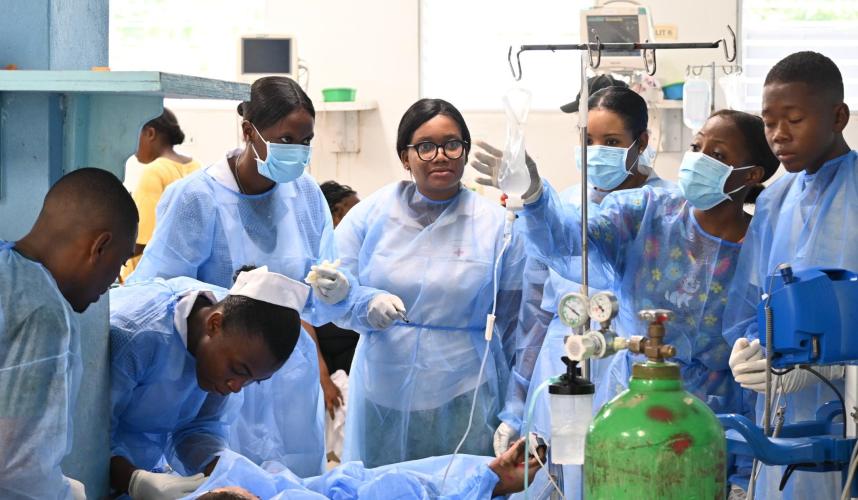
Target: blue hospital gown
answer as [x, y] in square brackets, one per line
[159, 414]
[470, 478]
[411, 386]
[807, 220]
[661, 258]
[40, 371]
[207, 230]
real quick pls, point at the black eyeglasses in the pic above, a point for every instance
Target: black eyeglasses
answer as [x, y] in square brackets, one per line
[428, 150]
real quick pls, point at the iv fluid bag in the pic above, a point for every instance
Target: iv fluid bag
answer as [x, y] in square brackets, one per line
[513, 178]
[731, 85]
[696, 103]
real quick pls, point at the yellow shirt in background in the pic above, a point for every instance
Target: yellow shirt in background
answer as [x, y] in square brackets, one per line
[153, 181]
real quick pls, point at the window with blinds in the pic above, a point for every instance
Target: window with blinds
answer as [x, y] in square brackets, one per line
[463, 50]
[773, 29]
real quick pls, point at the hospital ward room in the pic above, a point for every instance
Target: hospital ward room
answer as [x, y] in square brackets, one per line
[428, 249]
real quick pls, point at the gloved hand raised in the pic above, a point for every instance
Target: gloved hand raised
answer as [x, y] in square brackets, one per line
[504, 435]
[330, 285]
[384, 309]
[488, 162]
[157, 486]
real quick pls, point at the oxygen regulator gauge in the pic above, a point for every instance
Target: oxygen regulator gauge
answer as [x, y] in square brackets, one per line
[604, 307]
[573, 310]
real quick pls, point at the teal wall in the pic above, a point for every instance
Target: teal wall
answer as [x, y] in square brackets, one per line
[55, 35]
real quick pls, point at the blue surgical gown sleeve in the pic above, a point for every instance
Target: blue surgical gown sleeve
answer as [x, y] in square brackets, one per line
[350, 234]
[321, 312]
[193, 445]
[36, 398]
[183, 235]
[740, 314]
[529, 334]
[124, 374]
[509, 297]
[552, 230]
[197, 443]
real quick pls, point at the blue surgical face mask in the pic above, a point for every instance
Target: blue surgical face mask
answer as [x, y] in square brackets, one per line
[606, 165]
[283, 162]
[702, 179]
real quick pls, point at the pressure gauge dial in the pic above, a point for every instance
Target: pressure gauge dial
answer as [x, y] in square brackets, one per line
[603, 307]
[574, 310]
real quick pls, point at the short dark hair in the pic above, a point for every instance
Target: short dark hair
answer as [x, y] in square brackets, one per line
[223, 494]
[811, 68]
[626, 103]
[278, 326]
[272, 98]
[421, 112]
[752, 130]
[168, 125]
[335, 192]
[95, 196]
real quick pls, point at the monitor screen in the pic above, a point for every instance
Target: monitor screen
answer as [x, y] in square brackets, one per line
[614, 29]
[266, 55]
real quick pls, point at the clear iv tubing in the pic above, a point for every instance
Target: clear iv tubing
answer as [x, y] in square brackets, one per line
[528, 419]
[507, 236]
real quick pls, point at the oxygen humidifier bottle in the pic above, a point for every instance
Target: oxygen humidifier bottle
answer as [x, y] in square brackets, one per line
[570, 400]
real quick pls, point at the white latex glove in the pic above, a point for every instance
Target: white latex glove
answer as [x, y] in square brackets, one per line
[330, 285]
[488, 162]
[156, 486]
[744, 351]
[741, 362]
[748, 364]
[752, 375]
[78, 490]
[384, 309]
[504, 435]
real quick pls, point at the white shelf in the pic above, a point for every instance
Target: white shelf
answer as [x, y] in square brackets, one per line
[346, 106]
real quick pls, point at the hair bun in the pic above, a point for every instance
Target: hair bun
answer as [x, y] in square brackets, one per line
[240, 108]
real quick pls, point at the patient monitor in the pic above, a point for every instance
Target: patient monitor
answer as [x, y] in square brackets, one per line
[618, 22]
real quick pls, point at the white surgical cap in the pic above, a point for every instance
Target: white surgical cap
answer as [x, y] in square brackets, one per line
[273, 288]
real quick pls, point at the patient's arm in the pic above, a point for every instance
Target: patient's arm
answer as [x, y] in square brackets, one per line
[509, 467]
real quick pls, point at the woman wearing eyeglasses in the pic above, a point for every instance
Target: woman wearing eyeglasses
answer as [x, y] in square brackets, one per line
[427, 248]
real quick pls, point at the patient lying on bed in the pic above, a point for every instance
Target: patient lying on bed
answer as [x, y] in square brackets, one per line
[470, 477]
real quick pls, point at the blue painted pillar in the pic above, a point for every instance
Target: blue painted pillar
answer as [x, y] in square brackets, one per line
[40, 34]
[55, 35]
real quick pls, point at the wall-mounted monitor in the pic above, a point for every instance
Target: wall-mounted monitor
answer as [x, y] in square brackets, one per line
[266, 55]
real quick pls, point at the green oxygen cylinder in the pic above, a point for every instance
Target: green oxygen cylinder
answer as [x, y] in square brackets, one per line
[655, 440]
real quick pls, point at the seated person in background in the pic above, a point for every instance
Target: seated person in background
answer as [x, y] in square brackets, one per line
[162, 166]
[84, 232]
[178, 349]
[469, 477]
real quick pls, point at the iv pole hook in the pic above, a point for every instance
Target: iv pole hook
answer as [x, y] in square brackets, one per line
[726, 50]
[650, 72]
[517, 60]
[598, 53]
